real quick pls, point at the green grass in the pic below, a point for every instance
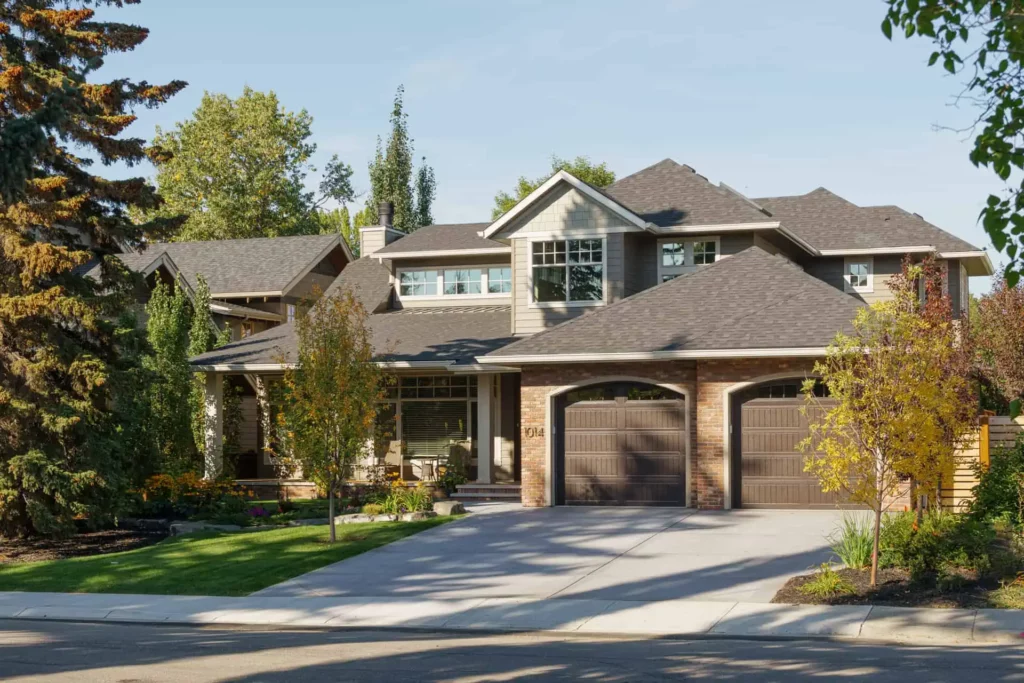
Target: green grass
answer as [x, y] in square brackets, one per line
[235, 563]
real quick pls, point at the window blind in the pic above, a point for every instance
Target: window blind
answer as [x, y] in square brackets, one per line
[429, 427]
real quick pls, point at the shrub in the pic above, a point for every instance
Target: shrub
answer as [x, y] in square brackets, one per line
[942, 541]
[373, 509]
[853, 541]
[999, 488]
[827, 584]
[190, 496]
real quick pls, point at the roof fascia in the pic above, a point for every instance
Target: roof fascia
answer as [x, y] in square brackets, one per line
[443, 252]
[563, 176]
[917, 249]
[656, 355]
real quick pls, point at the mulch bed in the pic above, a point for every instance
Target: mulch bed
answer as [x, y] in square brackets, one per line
[79, 545]
[894, 589]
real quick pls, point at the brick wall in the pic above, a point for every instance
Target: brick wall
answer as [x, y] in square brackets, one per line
[706, 382]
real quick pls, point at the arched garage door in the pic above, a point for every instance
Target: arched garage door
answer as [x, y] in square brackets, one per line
[768, 470]
[621, 444]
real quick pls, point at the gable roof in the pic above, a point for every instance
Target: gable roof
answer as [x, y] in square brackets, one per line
[752, 303]
[263, 266]
[432, 337]
[668, 193]
[831, 223]
[435, 240]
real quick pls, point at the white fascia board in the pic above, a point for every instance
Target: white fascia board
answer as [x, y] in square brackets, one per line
[981, 256]
[657, 355]
[563, 176]
[239, 295]
[416, 364]
[245, 367]
[253, 314]
[445, 252]
[482, 369]
[878, 250]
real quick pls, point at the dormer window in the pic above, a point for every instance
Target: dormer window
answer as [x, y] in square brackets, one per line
[679, 256]
[454, 283]
[858, 275]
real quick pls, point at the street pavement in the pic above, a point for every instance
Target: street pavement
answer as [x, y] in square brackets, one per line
[42, 651]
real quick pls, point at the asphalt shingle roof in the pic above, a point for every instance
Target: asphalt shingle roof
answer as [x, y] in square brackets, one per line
[455, 236]
[368, 280]
[457, 335]
[668, 193]
[752, 300]
[262, 264]
[827, 221]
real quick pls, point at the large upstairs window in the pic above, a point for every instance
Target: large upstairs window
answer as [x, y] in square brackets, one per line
[679, 256]
[568, 271]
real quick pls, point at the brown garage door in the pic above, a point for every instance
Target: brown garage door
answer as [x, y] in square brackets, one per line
[624, 452]
[771, 468]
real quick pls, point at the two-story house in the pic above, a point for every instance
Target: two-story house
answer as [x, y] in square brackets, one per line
[641, 344]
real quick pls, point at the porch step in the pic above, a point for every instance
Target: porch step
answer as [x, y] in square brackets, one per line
[488, 492]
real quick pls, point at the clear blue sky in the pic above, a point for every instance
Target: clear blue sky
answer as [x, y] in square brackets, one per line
[769, 97]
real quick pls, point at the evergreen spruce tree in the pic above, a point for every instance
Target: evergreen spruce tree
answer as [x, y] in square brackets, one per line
[67, 355]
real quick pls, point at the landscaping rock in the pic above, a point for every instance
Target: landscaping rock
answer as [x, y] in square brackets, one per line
[316, 521]
[417, 516]
[447, 508]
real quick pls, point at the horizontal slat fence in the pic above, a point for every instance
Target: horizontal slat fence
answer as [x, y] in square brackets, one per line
[994, 433]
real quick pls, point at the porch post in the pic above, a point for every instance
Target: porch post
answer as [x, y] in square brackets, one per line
[484, 445]
[213, 428]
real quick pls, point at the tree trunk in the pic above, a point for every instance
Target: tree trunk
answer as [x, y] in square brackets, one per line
[330, 507]
[874, 550]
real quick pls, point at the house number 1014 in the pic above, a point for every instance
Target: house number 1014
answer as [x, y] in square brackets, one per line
[533, 432]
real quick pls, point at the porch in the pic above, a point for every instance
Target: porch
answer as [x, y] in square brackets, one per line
[428, 421]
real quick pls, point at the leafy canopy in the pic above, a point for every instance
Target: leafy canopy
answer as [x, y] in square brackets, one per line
[73, 436]
[239, 168]
[1000, 323]
[330, 399]
[597, 175]
[391, 177]
[983, 40]
[900, 399]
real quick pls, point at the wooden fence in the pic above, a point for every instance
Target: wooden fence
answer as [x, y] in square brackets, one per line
[994, 432]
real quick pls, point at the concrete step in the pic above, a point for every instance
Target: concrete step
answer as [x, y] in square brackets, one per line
[486, 496]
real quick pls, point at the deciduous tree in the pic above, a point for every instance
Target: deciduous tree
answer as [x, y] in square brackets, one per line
[898, 414]
[66, 353]
[330, 399]
[1000, 324]
[239, 168]
[597, 175]
[391, 176]
[169, 317]
[982, 40]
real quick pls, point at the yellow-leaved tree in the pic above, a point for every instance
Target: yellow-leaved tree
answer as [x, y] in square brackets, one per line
[329, 400]
[900, 405]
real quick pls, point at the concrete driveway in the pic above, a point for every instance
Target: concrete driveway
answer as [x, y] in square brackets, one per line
[599, 553]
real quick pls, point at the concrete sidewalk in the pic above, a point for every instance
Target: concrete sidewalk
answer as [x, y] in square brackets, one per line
[681, 618]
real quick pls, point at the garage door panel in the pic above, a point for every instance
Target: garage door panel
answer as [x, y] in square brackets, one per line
[771, 467]
[624, 452]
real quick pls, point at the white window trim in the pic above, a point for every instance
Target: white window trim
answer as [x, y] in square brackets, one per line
[484, 294]
[688, 265]
[851, 260]
[566, 304]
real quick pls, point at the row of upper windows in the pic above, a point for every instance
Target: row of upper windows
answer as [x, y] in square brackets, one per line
[455, 282]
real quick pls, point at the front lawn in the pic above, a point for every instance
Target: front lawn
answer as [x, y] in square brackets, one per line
[229, 564]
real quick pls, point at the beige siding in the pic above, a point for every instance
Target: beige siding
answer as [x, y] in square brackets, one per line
[494, 261]
[529, 320]
[564, 208]
[731, 242]
[831, 269]
[247, 436]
